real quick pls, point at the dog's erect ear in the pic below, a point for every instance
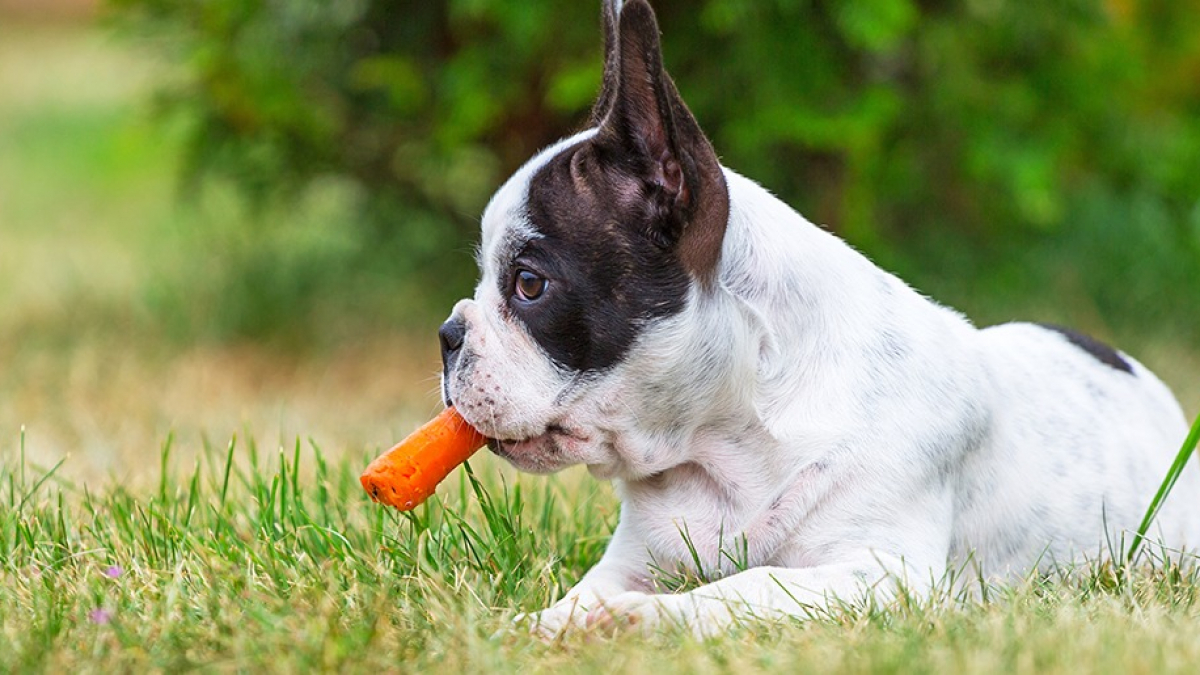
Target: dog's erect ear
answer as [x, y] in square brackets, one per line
[650, 138]
[609, 11]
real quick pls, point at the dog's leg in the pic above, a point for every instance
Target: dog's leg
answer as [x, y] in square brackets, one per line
[761, 593]
[621, 570]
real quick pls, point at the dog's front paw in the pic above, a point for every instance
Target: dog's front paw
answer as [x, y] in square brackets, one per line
[647, 613]
[553, 621]
[628, 610]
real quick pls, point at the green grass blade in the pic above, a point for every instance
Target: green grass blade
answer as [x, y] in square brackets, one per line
[228, 469]
[1177, 467]
[36, 486]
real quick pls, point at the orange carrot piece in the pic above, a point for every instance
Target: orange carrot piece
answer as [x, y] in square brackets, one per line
[407, 474]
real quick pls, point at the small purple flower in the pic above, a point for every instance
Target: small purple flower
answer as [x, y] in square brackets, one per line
[99, 616]
[113, 571]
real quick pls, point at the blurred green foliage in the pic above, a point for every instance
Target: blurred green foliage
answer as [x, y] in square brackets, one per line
[983, 148]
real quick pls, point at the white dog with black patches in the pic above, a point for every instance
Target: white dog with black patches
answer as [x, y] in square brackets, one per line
[747, 378]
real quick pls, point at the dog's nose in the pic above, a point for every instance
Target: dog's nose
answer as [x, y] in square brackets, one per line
[451, 335]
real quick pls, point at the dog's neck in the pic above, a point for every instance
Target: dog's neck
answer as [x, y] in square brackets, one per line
[799, 276]
[812, 299]
[789, 305]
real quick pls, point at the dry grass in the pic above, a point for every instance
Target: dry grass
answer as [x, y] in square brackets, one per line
[105, 407]
[88, 221]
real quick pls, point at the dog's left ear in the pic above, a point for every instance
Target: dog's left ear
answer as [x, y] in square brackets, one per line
[653, 143]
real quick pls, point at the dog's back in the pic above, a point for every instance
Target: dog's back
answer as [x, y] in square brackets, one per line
[1080, 438]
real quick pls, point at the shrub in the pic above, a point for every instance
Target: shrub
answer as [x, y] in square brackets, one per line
[939, 137]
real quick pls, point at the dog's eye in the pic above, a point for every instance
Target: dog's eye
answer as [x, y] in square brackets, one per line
[529, 286]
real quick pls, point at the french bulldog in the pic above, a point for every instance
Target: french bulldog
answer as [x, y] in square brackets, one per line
[770, 406]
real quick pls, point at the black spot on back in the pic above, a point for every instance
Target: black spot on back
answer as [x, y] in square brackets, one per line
[1102, 352]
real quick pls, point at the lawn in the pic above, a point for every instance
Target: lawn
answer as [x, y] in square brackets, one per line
[281, 564]
[169, 503]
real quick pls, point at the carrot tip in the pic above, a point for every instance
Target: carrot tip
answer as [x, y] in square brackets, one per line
[412, 469]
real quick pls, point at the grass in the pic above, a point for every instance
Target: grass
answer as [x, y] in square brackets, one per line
[250, 565]
[1182, 458]
[254, 560]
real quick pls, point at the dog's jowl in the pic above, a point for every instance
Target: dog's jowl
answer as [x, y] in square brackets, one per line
[817, 428]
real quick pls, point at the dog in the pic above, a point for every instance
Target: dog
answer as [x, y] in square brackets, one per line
[774, 411]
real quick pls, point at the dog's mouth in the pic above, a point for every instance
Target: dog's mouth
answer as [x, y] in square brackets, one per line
[550, 439]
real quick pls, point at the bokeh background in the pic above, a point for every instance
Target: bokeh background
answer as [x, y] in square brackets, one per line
[248, 217]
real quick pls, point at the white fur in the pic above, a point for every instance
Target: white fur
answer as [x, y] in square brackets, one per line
[820, 419]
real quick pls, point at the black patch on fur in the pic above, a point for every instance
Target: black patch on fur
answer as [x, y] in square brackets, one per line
[1102, 352]
[609, 275]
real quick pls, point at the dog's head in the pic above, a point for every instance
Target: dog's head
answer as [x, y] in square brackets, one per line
[590, 257]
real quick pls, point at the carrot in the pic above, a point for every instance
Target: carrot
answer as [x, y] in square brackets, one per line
[407, 474]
